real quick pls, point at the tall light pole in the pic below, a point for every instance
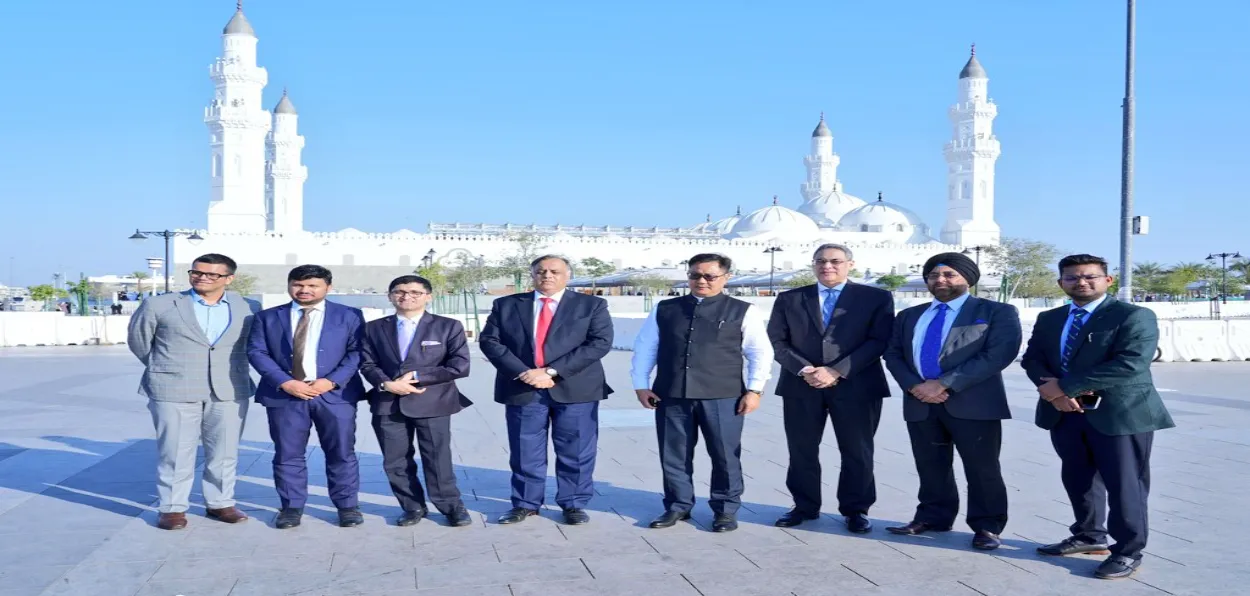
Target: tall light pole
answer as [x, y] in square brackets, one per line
[976, 287]
[1224, 257]
[166, 234]
[1126, 163]
[772, 266]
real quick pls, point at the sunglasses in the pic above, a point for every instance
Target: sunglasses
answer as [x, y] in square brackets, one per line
[704, 276]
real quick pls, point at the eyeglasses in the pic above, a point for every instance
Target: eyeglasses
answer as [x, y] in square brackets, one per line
[207, 275]
[1071, 279]
[541, 272]
[947, 275]
[708, 277]
[403, 294]
[833, 262]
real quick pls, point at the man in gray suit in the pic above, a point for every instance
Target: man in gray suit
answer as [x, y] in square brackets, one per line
[197, 381]
[949, 355]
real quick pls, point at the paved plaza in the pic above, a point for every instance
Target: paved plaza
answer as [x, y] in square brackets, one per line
[77, 507]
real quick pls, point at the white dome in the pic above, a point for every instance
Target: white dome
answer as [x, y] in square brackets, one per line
[827, 209]
[725, 225]
[775, 221]
[897, 223]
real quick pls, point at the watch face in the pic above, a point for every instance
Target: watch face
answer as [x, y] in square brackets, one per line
[551, 371]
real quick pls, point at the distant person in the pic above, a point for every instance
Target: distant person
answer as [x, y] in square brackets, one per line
[308, 352]
[698, 346]
[1091, 363]
[413, 358]
[949, 356]
[546, 347]
[196, 378]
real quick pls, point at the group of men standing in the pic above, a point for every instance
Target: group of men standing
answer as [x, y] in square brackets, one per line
[711, 356]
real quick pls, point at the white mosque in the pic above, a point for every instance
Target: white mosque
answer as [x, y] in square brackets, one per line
[256, 211]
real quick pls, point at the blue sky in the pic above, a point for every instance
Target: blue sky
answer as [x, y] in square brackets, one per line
[625, 113]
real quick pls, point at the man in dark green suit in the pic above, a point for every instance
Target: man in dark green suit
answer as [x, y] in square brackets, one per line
[1091, 362]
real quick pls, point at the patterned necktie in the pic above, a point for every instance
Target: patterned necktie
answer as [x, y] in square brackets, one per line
[932, 346]
[826, 309]
[297, 343]
[407, 330]
[540, 331]
[1074, 333]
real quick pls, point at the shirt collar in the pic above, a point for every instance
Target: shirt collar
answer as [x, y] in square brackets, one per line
[955, 304]
[824, 288]
[557, 297]
[1091, 307]
[400, 318]
[198, 298]
[320, 306]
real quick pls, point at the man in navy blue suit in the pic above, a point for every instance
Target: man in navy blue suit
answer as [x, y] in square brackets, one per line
[546, 346]
[308, 353]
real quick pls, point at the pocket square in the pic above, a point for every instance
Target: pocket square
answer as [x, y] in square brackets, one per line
[431, 343]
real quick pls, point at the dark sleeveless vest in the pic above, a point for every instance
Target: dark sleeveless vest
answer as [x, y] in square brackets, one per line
[700, 355]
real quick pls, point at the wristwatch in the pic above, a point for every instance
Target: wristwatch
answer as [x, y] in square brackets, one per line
[551, 372]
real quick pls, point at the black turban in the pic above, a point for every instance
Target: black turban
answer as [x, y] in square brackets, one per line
[965, 266]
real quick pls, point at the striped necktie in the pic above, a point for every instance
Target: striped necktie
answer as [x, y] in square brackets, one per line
[1072, 340]
[826, 309]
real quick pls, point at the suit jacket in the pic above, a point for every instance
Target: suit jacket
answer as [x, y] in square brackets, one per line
[983, 341]
[338, 353]
[180, 364]
[439, 354]
[852, 344]
[1117, 345]
[579, 337]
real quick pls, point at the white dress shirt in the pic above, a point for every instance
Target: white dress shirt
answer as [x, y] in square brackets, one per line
[538, 304]
[313, 340]
[756, 349]
[922, 324]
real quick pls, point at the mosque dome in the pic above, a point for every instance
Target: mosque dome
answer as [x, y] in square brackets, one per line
[829, 208]
[238, 24]
[725, 225]
[895, 223]
[284, 105]
[775, 221]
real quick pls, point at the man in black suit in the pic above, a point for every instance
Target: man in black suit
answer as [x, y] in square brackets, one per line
[829, 338]
[1091, 362]
[413, 358]
[949, 355]
[546, 346]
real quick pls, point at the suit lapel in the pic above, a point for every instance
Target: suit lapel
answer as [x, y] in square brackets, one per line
[525, 306]
[911, 316]
[963, 320]
[390, 335]
[423, 331]
[284, 323]
[846, 299]
[1095, 317]
[187, 311]
[810, 298]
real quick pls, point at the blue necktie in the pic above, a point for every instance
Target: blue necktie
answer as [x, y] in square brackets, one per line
[931, 349]
[407, 329]
[1074, 333]
[826, 309]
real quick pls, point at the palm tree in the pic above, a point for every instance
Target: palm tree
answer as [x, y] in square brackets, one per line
[1149, 276]
[139, 277]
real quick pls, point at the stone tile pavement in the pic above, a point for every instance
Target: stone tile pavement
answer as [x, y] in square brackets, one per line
[77, 495]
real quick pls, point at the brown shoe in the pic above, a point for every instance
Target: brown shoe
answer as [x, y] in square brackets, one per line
[230, 515]
[172, 521]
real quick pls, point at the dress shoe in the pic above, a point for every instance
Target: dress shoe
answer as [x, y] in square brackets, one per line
[1074, 545]
[576, 517]
[172, 521]
[288, 518]
[793, 518]
[459, 517]
[916, 527]
[984, 540]
[350, 517]
[1117, 567]
[516, 515]
[724, 523]
[858, 523]
[669, 519]
[230, 515]
[411, 518]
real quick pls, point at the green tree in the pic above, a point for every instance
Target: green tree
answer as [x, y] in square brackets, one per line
[470, 273]
[1026, 267]
[81, 291]
[651, 283]
[436, 273]
[1177, 280]
[526, 247]
[139, 277]
[803, 279]
[594, 267]
[891, 282]
[244, 283]
[42, 292]
[1148, 278]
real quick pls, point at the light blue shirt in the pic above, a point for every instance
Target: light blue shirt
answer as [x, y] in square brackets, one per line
[1088, 308]
[922, 325]
[214, 319]
[823, 289]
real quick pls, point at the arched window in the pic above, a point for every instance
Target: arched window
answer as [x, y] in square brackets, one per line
[863, 227]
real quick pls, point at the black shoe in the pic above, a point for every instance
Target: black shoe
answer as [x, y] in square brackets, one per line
[794, 517]
[288, 518]
[724, 523]
[350, 517]
[984, 540]
[858, 523]
[459, 517]
[916, 527]
[516, 515]
[1117, 567]
[576, 517]
[669, 519]
[1074, 545]
[410, 518]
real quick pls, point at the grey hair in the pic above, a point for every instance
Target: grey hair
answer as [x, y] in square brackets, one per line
[850, 256]
[535, 262]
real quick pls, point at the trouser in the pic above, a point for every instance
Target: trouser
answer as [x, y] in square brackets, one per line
[575, 437]
[934, 441]
[290, 426]
[180, 429]
[678, 422]
[854, 426]
[433, 439]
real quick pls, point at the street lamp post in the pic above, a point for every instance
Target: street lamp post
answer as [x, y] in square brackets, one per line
[772, 267]
[428, 259]
[139, 236]
[1223, 256]
[977, 250]
[1126, 159]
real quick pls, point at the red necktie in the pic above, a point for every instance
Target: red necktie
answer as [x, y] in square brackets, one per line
[540, 331]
